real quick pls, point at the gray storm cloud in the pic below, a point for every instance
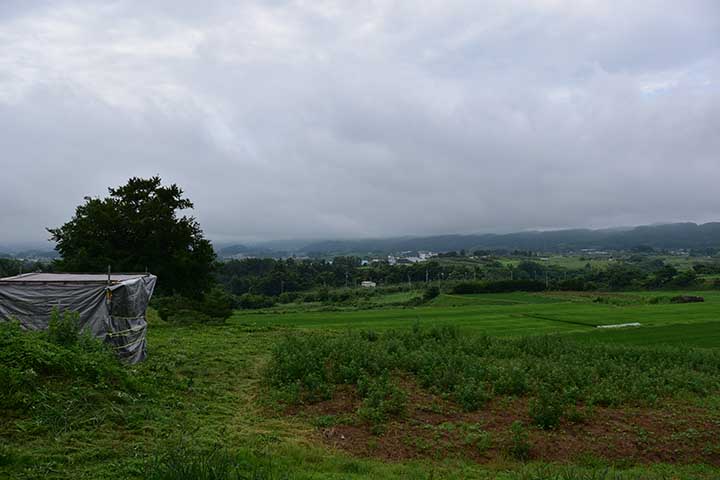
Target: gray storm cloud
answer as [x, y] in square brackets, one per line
[343, 119]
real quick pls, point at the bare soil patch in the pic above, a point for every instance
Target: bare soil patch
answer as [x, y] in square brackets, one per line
[433, 427]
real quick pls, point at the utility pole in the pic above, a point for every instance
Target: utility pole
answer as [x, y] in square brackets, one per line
[427, 275]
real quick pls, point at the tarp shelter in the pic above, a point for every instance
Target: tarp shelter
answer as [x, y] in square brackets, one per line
[111, 307]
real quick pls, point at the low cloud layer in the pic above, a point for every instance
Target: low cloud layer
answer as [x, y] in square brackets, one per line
[345, 119]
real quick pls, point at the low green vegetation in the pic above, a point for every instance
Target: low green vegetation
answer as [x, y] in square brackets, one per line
[183, 463]
[210, 401]
[516, 314]
[213, 307]
[61, 380]
[470, 369]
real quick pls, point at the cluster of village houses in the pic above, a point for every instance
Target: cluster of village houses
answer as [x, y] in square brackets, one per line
[402, 258]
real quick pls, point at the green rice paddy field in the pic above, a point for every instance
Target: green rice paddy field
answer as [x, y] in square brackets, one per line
[513, 314]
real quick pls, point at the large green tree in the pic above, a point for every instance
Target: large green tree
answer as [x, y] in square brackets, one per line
[138, 227]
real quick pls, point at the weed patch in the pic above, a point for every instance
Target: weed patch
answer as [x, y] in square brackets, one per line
[61, 379]
[555, 373]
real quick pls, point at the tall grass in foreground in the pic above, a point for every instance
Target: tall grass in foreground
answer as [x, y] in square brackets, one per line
[471, 368]
[577, 473]
[182, 463]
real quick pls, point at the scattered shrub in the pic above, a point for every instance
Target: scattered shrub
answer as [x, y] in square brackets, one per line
[471, 395]
[658, 300]
[252, 301]
[475, 436]
[511, 381]
[547, 409]
[519, 448]
[214, 307]
[686, 299]
[288, 297]
[430, 292]
[499, 286]
[64, 329]
[217, 304]
[381, 399]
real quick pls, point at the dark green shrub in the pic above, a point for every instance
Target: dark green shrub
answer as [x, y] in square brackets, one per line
[381, 399]
[658, 300]
[519, 448]
[252, 301]
[547, 409]
[217, 303]
[288, 297]
[686, 299]
[471, 395]
[298, 367]
[499, 286]
[64, 329]
[214, 307]
[431, 292]
[170, 305]
[573, 284]
[511, 381]
[322, 294]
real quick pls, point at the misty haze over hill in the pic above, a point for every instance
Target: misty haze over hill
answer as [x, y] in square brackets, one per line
[664, 236]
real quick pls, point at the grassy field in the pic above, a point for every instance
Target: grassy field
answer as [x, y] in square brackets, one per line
[205, 391]
[524, 314]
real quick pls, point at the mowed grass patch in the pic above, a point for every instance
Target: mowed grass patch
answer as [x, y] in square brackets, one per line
[514, 298]
[510, 314]
[491, 319]
[706, 335]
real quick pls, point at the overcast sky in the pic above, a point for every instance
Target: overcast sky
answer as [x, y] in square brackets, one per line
[288, 119]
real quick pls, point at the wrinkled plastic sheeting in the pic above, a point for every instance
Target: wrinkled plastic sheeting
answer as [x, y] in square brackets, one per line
[128, 326]
[115, 313]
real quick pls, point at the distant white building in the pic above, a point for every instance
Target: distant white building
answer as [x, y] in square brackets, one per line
[368, 284]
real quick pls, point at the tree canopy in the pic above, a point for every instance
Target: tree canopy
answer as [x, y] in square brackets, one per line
[138, 227]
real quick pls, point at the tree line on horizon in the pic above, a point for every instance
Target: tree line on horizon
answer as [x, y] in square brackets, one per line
[138, 227]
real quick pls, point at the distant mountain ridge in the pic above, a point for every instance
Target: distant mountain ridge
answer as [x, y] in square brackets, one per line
[663, 236]
[30, 254]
